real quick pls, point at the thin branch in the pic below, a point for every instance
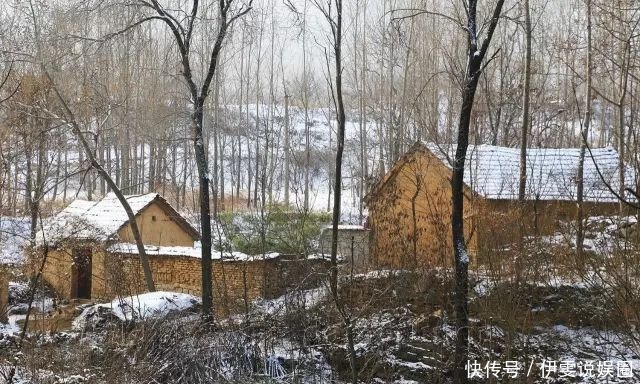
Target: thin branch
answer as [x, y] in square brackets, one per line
[606, 183]
[495, 54]
[194, 13]
[128, 28]
[418, 12]
[492, 27]
[162, 12]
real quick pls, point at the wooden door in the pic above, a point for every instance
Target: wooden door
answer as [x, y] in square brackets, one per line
[81, 274]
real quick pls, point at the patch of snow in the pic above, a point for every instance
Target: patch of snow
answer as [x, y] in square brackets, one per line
[324, 256]
[149, 305]
[14, 235]
[380, 273]
[483, 287]
[152, 304]
[464, 255]
[346, 227]
[12, 327]
[301, 300]
[415, 366]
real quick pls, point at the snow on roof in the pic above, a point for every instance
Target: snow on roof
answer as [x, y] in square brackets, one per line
[196, 252]
[346, 227]
[96, 220]
[494, 172]
[325, 256]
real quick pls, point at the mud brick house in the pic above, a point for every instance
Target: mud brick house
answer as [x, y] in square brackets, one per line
[410, 207]
[90, 254]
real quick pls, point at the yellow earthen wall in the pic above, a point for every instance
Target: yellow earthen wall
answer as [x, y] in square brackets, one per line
[162, 231]
[57, 269]
[416, 204]
[121, 275]
[236, 283]
[183, 274]
[489, 224]
[98, 274]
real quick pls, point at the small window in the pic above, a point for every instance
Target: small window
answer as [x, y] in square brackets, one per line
[153, 218]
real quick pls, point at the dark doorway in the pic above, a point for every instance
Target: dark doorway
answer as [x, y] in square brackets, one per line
[81, 274]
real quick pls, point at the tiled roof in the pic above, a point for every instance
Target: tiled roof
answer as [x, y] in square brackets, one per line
[93, 220]
[493, 172]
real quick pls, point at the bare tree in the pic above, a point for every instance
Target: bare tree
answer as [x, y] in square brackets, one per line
[69, 118]
[476, 52]
[305, 101]
[336, 25]
[583, 146]
[526, 101]
[182, 29]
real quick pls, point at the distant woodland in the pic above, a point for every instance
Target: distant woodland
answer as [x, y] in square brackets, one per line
[269, 115]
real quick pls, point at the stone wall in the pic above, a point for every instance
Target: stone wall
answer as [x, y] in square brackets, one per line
[289, 272]
[353, 245]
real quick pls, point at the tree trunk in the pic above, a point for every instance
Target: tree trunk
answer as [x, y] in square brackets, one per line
[216, 154]
[205, 211]
[583, 147]
[457, 225]
[475, 56]
[624, 79]
[153, 153]
[69, 116]
[57, 176]
[526, 94]
[287, 150]
[346, 318]
[305, 84]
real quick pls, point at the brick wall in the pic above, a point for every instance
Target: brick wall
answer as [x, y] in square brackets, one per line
[235, 283]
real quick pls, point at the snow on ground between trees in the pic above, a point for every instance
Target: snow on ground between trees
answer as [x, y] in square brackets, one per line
[14, 234]
[146, 306]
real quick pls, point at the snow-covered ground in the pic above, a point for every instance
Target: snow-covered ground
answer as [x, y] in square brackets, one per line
[139, 307]
[322, 138]
[300, 300]
[14, 234]
[604, 235]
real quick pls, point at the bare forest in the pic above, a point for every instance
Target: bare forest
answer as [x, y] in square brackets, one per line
[319, 191]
